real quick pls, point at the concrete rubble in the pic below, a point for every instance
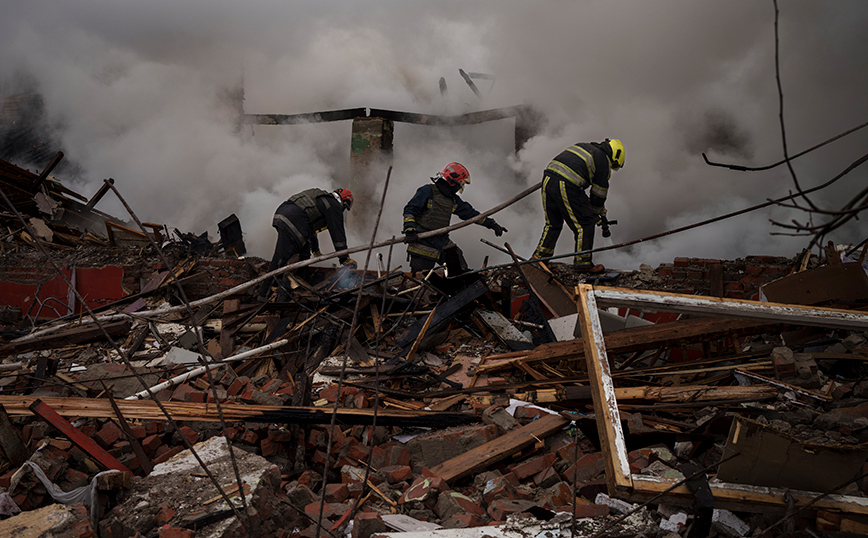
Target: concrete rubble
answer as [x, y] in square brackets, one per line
[358, 409]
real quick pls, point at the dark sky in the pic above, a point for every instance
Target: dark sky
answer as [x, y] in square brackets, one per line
[135, 94]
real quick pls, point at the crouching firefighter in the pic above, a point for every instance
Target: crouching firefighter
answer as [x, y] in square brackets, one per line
[298, 221]
[431, 208]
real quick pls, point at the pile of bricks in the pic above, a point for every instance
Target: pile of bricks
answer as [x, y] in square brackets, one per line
[742, 278]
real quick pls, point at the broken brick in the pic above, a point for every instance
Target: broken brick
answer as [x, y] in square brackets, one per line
[366, 524]
[534, 466]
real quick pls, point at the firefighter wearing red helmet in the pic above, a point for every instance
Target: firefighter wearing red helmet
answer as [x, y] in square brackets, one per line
[431, 208]
[299, 219]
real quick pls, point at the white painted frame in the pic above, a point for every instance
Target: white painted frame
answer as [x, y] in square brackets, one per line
[637, 487]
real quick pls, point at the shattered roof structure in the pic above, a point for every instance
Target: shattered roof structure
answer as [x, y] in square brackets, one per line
[144, 391]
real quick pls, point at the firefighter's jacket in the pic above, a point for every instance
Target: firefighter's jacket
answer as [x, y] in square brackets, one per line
[431, 208]
[309, 212]
[588, 167]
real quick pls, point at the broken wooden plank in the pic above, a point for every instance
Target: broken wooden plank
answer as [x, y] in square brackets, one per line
[689, 393]
[44, 411]
[78, 335]
[551, 293]
[445, 312]
[744, 498]
[715, 306]
[493, 451]
[207, 412]
[143, 458]
[639, 339]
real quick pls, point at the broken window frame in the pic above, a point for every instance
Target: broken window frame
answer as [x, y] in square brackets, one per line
[638, 487]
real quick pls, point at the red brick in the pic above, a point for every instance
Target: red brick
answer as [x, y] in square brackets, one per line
[681, 262]
[592, 510]
[498, 488]
[418, 491]
[330, 510]
[558, 495]
[398, 455]
[267, 448]
[360, 401]
[182, 392]
[359, 452]
[547, 477]
[568, 452]
[167, 455]
[191, 435]
[664, 271]
[155, 426]
[249, 437]
[589, 466]
[175, 532]
[164, 514]
[463, 521]
[396, 473]
[366, 524]
[526, 414]
[235, 387]
[499, 509]
[151, 443]
[336, 493]
[108, 435]
[452, 502]
[534, 466]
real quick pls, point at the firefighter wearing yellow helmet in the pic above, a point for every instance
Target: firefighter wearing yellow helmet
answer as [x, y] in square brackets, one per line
[579, 168]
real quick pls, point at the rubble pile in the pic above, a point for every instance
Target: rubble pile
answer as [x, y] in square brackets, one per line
[518, 401]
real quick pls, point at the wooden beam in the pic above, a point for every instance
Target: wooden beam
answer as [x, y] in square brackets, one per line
[495, 450]
[81, 440]
[78, 335]
[638, 339]
[207, 412]
[746, 498]
[716, 306]
[608, 419]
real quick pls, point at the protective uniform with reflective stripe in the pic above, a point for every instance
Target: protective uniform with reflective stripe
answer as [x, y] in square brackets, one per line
[431, 209]
[585, 165]
[298, 221]
[579, 168]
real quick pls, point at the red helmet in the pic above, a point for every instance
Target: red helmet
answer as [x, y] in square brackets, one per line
[346, 197]
[456, 174]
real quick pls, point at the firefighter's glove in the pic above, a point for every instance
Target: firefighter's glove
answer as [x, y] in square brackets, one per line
[316, 254]
[497, 228]
[351, 263]
[410, 236]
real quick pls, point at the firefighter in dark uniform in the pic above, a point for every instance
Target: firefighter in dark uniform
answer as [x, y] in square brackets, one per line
[576, 169]
[299, 219]
[431, 208]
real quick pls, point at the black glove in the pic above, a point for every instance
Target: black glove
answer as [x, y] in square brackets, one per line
[498, 229]
[410, 236]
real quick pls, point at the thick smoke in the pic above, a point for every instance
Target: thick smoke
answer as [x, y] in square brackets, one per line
[139, 93]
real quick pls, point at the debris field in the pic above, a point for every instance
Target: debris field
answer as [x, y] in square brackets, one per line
[145, 392]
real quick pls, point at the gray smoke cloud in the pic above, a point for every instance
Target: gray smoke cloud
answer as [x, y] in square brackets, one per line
[137, 93]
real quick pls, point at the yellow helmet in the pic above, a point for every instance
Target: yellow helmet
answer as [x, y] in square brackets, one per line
[617, 153]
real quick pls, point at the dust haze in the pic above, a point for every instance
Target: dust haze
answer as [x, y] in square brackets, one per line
[139, 93]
